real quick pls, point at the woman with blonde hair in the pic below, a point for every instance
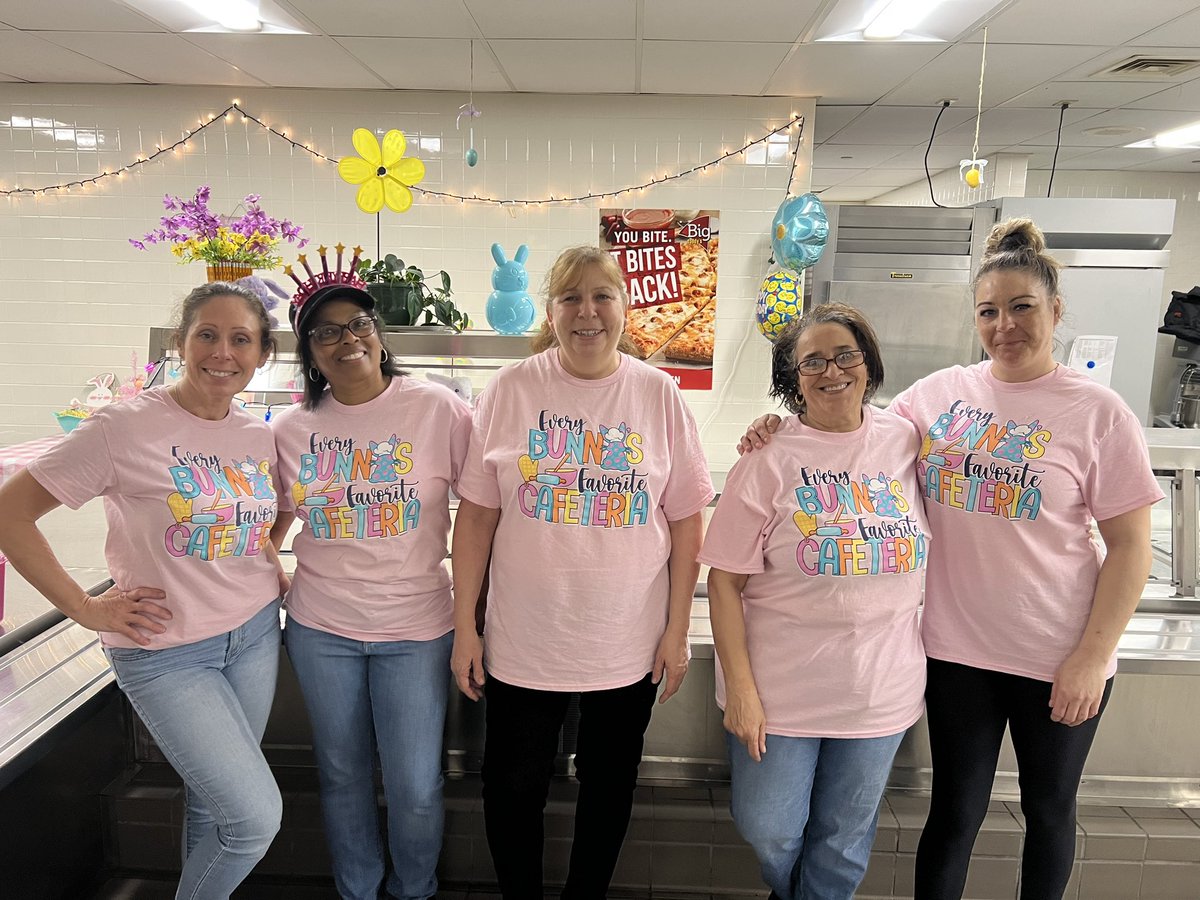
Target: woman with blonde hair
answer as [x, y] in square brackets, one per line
[584, 484]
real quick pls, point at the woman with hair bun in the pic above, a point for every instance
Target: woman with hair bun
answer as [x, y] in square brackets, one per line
[1023, 610]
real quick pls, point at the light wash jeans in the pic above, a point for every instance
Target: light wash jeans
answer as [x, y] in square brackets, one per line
[206, 706]
[363, 696]
[809, 810]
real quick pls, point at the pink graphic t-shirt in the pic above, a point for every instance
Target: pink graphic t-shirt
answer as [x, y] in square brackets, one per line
[830, 529]
[371, 483]
[189, 504]
[1012, 475]
[586, 475]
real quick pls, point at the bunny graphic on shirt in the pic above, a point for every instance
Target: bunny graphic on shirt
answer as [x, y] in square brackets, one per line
[260, 483]
[383, 460]
[884, 501]
[615, 455]
[1016, 441]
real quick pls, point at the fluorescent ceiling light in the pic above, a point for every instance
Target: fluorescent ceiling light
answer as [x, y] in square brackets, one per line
[236, 15]
[897, 17]
[1187, 136]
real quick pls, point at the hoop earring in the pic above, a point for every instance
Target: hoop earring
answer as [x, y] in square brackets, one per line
[385, 356]
[313, 374]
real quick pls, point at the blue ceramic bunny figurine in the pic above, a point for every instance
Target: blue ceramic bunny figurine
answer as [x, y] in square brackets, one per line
[510, 309]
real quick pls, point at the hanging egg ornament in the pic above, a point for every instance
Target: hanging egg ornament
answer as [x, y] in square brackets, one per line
[780, 299]
[799, 232]
[472, 157]
[971, 171]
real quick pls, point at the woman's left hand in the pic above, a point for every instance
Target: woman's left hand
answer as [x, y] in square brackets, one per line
[1077, 690]
[285, 582]
[671, 659]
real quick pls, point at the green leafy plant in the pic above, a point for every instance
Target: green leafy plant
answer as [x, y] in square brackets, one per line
[403, 293]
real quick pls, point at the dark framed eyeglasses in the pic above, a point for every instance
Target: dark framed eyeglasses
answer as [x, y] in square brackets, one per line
[330, 333]
[816, 365]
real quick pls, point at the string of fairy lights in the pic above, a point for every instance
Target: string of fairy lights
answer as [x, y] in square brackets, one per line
[235, 109]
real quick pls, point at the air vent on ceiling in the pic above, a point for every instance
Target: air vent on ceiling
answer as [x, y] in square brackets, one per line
[1148, 68]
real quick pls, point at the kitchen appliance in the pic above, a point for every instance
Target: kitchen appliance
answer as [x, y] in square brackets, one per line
[1186, 411]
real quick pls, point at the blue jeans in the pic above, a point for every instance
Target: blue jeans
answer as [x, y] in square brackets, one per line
[385, 695]
[206, 705]
[809, 810]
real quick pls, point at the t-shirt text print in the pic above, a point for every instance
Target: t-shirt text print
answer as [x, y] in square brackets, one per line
[973, 461]
[575, 475]
[220, 507]
[855, 525]
[352, 490]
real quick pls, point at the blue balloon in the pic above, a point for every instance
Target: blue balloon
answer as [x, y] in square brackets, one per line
[510, 309]
[799, 232]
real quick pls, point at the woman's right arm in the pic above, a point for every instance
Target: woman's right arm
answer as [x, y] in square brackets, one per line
[758, 433]
[130, 612]
[744, 716]
[470, 549]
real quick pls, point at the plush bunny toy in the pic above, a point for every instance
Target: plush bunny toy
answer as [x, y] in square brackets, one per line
[510, 309]
[460, 384]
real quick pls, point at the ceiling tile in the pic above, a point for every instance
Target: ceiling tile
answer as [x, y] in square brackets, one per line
[568, 67]
[849, 73]
[887, 178]
[824, 178]
[74, 15]
[1086, 70]
[1187, 161]
[1110, 158]
[1079, 21]
[900, 125]
[290, 60]
[747, 20]
[1011, 70]
[1004, 125]
[427, 64]
[1184, 31]
[369, 18]
[1146, 122]
[832, 119]
[27, 56]
[940, 157]
[156, 58]
[1184, 97]
[846, 156]
[538, 19]
[1088, 94]
[6, 77]
[683, 67]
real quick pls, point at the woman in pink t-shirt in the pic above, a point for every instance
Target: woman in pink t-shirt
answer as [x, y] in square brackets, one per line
[817, 552]
[1023, 611]
[367, 462]
[191, 624]
[584, 483]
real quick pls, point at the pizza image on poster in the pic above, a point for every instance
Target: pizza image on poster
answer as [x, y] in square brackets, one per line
[669, 258]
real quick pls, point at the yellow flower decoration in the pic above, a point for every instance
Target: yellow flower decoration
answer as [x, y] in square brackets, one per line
[383, 174]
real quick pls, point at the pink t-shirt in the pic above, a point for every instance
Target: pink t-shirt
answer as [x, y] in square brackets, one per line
[586, 475]
[1012, 476]
[189, 503]
[371, 483]
[830, 529]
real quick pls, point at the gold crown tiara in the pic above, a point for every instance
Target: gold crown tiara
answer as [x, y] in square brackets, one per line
[323, 279]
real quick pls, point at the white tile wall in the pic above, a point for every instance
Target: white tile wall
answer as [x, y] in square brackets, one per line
[76, 298]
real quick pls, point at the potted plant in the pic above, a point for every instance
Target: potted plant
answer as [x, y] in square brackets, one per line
[402, 293]
[232, 247]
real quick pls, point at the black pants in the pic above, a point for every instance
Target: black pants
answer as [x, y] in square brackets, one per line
[967, 709]
[518, 761]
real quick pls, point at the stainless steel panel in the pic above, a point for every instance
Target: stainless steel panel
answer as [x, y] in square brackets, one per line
[903, 261]
[1096, 223]
[921, 328]
[900, 245]
[1173, 448]
[1113, 259]
[896, 275]
[846, 232]
[906, 217]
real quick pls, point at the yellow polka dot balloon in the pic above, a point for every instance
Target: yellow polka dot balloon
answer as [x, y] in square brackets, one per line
[780, 299]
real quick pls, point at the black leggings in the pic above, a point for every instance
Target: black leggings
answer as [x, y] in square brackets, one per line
[967, 710]
[518, 760]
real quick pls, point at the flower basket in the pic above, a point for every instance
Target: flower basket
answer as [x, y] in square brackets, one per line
[230, 272]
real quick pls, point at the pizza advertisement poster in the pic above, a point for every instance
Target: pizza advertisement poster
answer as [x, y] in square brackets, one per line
[669, 257]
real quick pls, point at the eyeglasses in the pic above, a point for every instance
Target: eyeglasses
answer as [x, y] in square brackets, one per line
[330, 333]
[816, 365]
